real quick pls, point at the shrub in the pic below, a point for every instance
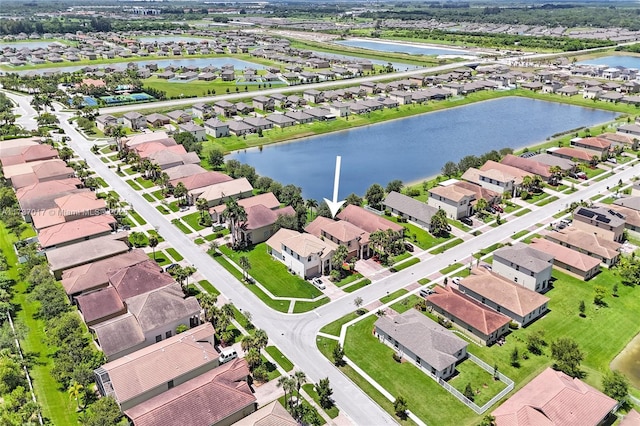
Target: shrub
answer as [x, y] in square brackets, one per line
[397, 357]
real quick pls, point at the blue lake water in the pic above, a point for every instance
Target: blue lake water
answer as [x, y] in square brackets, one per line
[162, 63]
[28, 44]
[413, 148]
[382, 46]
[615, 61]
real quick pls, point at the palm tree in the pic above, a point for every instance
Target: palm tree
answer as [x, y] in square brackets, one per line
[339, 256]
[247, 342]
[556, 172]
[245, 265]
[74, 392]
[202, 205]
[311, 205]
[112, 201]
[180, 191]
[153, 243]
[208, 304]
[288, 385]
[235, 214]
[300, 379]
[118, 132]
[527, 181]
[260, 338]
[252, 357]
[481, 205]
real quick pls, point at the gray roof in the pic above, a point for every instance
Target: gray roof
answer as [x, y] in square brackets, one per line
[118, 334]
[631, 202]
[527, 257]
[424, 337]
[410, 206]
[77, 254]
[553, 160]
[601, 215]
[162, 306]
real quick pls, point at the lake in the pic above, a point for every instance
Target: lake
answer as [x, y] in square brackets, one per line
[628, 362]
[414, 148]
[625, 61]
[412, 49]
[162, 63]
[29, 44]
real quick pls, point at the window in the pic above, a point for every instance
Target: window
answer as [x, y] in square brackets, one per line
[159, 338]
[167, 334]
[417, 360]
[515, 279]
[170, 384]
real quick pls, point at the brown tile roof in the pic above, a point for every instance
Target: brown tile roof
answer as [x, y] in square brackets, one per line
[81, 228]
[617, 137]
[260, 216]
[505, 171]
[452, 192]
[481, 192]
[200, 180]
[555, 399]
[28, 154]
[118, 334]
[161, 137]
[565, 255]
[47, 189]
[145, 150]
[52, 168]
[99, 305]
[162, 306]
[366, 220]
[139, 278]
[595, 142]
[528, 165]
[15, 146]
[184, 170]
[93, 275]
[469, 311]
[143, 370]
[632, 216]
[587, 241]
[229, 188]
[73, 255]
[268, 199]
[317, 225]
[81, 202]
[24, 168]
[273, 414]
[572, 153]
[205, 400]
[306, 244]
[494, 287]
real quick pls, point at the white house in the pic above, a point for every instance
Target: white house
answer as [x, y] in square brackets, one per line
[305, 254]
[454, 200]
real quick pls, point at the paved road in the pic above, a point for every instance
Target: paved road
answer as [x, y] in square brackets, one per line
[286, 89]
[295, 334]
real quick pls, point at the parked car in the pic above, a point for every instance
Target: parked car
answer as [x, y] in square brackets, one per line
[498, 208]
[426, 292]
[227, 354]
[485, 266]
[612, 160]
[456, 280]
[582, 175]
[467, 221]
[491, 210]
[171, 267]
[318, 283]
[408, 247]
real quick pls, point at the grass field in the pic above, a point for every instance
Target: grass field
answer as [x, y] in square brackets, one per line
[418, 236]
[334, 327]
[137, 217]
[56, 405]
[174, 253]
[181, 226]
[389, 297]
[311, 391]
[273, 274]
[279, 357]
[161, 258]
[447, 246]
[406, 304]
[192, 220]
[357, 286]
[201, 88]
[481, 381]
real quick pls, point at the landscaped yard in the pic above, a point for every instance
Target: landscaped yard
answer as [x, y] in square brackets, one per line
[133, 185]
[348, 279]
[447, 246]
[273, 274]
[145, 183]
[301, 306]
[181, 226]
[389, 297]
[418, 236]
[209, 288]
[161, 258]
[406, 303]
[278, 357]
[149, 198]
[482, 382]
[353, 287]
[192, 220]
[311, 391]
[334, 327]
[174, 253]
[137, 217]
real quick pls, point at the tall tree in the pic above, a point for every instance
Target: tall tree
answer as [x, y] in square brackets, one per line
[202, 206]
[339, 257]
[375, 195]
[215, 157]
[311, 205]
[395, 185]
[615, 385]
[235, 214]
[245, 265]
[567, 355]
[153, 243]
[439, 224]
[300, 379]
[324, 391]
[180, 192]
[449, 169]
[75, 390]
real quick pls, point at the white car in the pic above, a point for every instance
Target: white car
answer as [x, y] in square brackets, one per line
[318, 283]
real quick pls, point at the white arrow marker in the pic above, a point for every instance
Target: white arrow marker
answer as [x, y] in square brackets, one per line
[335, 205]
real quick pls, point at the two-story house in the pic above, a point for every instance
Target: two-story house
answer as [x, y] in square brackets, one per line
[602, 221]
[305, 254]
[341, 232]
[454, 200]
[524, 266]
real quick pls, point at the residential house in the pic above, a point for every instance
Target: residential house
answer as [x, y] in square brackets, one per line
[601, 221]
[185, 357]
[497, 292]
[221, 192]
[404, 98]
[343, 233]
[632, 130]
[454, 200]
[258, 124]
[340, 109]
[271, 414]
[280, 120]
[528, 165]
[134, 120]
[105, 121]
[157, 120]
[304, 254]
[78, 230]
[218, 397]
[567, 260]
[225, 108]
[630, 208]
[200, 180]
[469, 315]
[490, 196]
[26, 174]
[524, 266]
[100, 305]
[243, 108]
[267, 200]
[553, 398]
[202, 111]
[41, 196]
[572, 154]
[313, 96]
[67, 257]
[410, 209]
[260, 223]
[135, 140]
[184, 171]
[239, 127]
[68, 208]
[423, 342]
[263, 103]
[179, 116]
[506, 177]
[300, 117]
[594, 146]
[585, 242]
[197, 131]
[216, 128]
[367, 221]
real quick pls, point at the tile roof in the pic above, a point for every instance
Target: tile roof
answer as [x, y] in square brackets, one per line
[601, 214]
[632, 418]
[201, 180]
[139, 278]
[424, 337]
[169, 157]
[118, 334]
[28, 154]
[226, 189]
[572, 153]
[273, 414]
[268, 199]
[481, 192]
[617, 137]
[527, 164]
[410, 206]
[306, 244]
[452, 192]
[506, 172]
[494, 287]
[525, 256]
[553, 160]
[552, 398]
[205, 400]
[574, 237]
[71, 231]
[632, 216]
[145, 150]
[98, 305]
[143, 370]
[595, 142]
[96, 274]
[467, 310]
[632, 203]
[62, 258]
[162, 306]
[366, 220]
[259, 216]
[161, 137]
[565, 255]
[184, 170]
[49, 188]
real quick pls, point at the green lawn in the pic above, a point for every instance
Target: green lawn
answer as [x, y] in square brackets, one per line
[133, 185]
[447, 246]
[192, 220]
[272, 369]
[311, 391]
[389, 297]
[174, 253]
[301, 307]
[130, 171]
[56, 405]
[357, 286]
[162, 210]
[158, 194]
[520, 234]
[418, 236]
[451, 268]
[273, 274]
[530, 237]
[208, 287]
[481, 381]
[406, 304]
[405, 379]
[101, 182]
[137, 217]
[173, 206]
[521, 212]
[161, 258]
[488, 250]
[547, 201]
[307, 407]
[334, 327]
[404, 265]
[145, 183]
[278, 357]
[348, 279]
[242, 320]
[149, 198]
[181, 226]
